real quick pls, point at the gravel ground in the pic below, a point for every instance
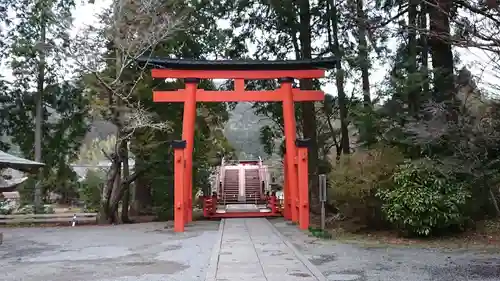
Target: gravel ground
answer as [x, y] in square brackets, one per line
[137, 252]
[341, 261]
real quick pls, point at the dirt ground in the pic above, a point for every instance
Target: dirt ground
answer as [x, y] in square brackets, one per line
[485, 235]
[388, 258]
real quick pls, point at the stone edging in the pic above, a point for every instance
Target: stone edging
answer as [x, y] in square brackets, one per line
[214, 258]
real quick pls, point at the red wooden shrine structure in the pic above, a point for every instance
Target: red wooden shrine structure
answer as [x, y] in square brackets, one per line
[296, 195]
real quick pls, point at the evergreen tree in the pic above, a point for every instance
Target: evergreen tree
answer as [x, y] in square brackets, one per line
[44, 108]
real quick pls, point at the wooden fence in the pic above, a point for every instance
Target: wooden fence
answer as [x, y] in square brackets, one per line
[48, 218]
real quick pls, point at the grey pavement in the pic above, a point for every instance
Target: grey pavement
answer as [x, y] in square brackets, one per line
[252, 249]
[367, 262]
[137, 252]
[236, 249]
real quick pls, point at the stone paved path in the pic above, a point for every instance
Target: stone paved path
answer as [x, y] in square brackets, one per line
[252, 249]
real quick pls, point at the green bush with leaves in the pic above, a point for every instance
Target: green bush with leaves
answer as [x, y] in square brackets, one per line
[424, 200]
[353, 183]
[90, 189]
[29, 209]
[5, 207]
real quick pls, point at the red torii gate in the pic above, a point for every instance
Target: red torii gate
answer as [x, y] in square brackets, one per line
[296, 206]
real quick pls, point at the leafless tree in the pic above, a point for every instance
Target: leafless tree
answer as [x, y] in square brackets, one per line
[107, 53]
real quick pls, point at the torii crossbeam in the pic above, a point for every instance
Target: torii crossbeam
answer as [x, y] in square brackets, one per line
[296, 205]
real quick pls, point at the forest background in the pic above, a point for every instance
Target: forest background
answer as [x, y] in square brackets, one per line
[408, 132]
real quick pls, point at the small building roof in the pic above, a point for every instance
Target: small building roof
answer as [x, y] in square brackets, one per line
[10, 185]
[18, 163]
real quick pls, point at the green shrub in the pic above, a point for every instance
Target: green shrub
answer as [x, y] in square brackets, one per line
[25, 210]
[423, 200]
[5, 208]
[91, 188]
[163, 199]
[48, 209]
[29, 209]
[353, 183]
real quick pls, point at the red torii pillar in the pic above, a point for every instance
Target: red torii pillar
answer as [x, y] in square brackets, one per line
[188, 124]
[303, 182]
[296, 181]
[290, 136]
[180, 198]
[287, 213]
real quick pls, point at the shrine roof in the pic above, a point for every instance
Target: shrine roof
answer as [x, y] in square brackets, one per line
[190, 64]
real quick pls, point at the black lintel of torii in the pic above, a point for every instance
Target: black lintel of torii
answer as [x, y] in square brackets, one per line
[192, 64]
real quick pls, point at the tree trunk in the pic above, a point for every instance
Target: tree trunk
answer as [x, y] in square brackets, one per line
[108, 211]
[113, 193]
[494, 201]
[117, 194]
[308, 108]
[424, 50]
[104, 215]
[126, 175]
[120, 191]
[142, 201]
[363, 52]
[38, 204]
[339, 81]
[115, 197]
[440, 45]
[413, 94]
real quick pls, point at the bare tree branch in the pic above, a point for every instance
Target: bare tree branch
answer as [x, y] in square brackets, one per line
[135, 28]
